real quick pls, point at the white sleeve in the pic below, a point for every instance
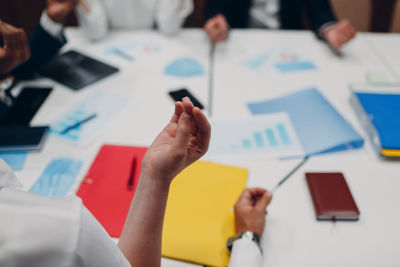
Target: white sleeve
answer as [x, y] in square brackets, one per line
[95, 247]
[50, 26]
[94, 22]
[171, 15]
[245, 253]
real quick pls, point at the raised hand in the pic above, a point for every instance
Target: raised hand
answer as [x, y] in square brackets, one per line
[250, 210]
[15, 48]
[339, 34]
[183, 141]
[58, 10]
[217, 28]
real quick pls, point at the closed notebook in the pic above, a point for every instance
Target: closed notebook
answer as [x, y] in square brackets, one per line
[379, 114]
[331, 197]
[104, 190]
[199, 217]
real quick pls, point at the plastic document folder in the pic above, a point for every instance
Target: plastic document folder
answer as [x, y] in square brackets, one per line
[199, 217]
[104, 190]
[318, 124]
[379, 114]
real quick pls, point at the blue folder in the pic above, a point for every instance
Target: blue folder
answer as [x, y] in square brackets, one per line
[384, 113]
[320, 128]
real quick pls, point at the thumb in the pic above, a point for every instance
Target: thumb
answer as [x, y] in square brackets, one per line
[183, 131]
[264, 201]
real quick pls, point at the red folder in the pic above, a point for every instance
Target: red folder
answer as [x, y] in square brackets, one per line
[104, 190]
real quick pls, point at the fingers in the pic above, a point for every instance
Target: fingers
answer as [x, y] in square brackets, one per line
[183, 132]
[204, 128]
[178, 112]
[264, 201]
[217, 28]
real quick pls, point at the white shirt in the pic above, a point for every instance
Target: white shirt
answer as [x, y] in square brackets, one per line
[245, 253]
[42, 232]
[265, 13]
[169, 15]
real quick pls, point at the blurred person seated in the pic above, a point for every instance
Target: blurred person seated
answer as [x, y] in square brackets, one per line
[276, 14]
[250, 212]
[22, 58]
[43, 232]
[97, 17]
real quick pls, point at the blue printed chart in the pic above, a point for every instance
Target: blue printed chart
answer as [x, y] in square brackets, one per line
[278, 61]
[58, 178]
[270, 135]
[105, 106]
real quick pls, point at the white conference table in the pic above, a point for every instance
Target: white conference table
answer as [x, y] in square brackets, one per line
[292, 237]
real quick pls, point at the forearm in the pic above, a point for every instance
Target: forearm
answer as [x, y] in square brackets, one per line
[141, 237]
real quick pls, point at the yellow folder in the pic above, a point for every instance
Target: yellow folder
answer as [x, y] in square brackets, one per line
[199, 216]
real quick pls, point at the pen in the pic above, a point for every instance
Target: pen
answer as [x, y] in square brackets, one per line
[122, 54]
[79, 123]
[132, 173]
[291, 173]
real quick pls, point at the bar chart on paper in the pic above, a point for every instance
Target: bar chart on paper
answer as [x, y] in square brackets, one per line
[83, 122]
[270, 135]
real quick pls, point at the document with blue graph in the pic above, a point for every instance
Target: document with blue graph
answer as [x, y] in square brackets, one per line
[101, 106]
[270, 135]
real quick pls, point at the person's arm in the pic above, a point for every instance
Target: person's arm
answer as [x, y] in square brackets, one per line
[92, 17]
[250, 212]
[171, 15]
[183, 141]
[48, 38]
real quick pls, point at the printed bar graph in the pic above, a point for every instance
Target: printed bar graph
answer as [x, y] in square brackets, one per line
[246, 143]
[271, 138]
[258, 139]
[270, 135]
[283, 134]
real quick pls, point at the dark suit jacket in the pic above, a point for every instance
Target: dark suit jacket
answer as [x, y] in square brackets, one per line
[43, 48]
[237, 12]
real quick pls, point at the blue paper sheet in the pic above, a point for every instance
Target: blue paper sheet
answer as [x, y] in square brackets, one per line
[295, 66]
[57, 178]
[16, 160]
[320, 128]
[184, 67]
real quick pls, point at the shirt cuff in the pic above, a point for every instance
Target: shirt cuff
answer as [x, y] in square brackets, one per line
[327, 26]
[53, 28]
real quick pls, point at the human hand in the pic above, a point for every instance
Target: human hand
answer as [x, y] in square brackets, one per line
[15, 49]
[339, 34]
[183, 141]
[58, 10]
[217, 28]
[250, 210]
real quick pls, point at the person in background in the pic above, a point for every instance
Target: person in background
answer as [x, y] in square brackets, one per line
[22, 58]
[97, 17]
[43, 232]
[250, 212]
[276, 14]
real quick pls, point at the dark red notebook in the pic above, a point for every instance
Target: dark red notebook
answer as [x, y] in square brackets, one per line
[105, 189]
[331, 197]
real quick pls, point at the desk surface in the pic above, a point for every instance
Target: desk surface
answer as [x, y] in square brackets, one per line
[293, 237]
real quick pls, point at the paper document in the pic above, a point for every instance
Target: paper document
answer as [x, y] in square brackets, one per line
[320, 127]
[15, 160]
[58, 178]
[278, 61]
[102, 104]
[270, 135]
